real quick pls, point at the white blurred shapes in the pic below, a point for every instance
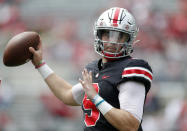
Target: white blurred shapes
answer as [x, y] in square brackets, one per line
[172, 113]
[6, 94]
[150, 123]
[140, 9]
[119, 3]
[4, 13]
[159, 21]
[175, 50]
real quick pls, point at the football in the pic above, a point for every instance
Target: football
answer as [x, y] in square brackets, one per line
[17, 49]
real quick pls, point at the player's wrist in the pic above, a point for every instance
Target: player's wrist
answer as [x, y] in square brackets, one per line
[44, 69]
[39, 64]
[92, 94]
[94, 98]
[101, 104]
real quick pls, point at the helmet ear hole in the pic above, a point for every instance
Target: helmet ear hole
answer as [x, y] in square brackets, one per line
[131, 50]
[99, 49]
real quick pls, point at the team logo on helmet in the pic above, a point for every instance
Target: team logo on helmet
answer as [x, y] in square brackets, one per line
[127, 27]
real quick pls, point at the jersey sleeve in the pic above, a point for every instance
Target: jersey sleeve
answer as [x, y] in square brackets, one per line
[139, 71]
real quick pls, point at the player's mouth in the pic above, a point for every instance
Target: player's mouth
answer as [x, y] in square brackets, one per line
[111, 49]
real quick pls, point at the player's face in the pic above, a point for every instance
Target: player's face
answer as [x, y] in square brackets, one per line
[113, 41]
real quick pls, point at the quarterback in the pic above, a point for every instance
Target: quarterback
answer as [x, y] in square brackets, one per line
[113, 89]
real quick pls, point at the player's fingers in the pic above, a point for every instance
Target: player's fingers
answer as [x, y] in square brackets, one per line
[83, 75]
[82, 83]
[90, 76]
[87, 75]
[84, 71]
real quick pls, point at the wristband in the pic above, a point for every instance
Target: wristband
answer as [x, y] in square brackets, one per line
[45, 70]
[94, 99]
[104, 107]
[101, 104]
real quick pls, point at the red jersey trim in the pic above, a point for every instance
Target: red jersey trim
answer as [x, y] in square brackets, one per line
[137, 71]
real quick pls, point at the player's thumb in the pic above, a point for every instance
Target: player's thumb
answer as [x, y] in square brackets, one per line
[32, 50]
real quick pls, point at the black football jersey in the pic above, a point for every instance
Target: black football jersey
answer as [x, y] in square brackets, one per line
[106, 78]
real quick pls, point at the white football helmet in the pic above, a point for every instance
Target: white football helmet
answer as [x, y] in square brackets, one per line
[115, 22]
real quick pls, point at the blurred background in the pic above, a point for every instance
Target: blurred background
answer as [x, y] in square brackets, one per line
[66, 29]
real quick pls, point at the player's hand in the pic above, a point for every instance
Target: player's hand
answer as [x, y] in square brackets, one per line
[87, 84]
[37, 54]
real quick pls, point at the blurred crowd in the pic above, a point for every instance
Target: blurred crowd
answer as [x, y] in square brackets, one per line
[163, 43]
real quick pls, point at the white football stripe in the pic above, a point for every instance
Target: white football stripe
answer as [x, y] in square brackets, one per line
[137, 75]
[139, 68]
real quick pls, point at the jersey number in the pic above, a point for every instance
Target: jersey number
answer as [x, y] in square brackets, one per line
[90, 110]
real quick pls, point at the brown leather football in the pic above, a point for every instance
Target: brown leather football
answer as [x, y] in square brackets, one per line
[17, 49]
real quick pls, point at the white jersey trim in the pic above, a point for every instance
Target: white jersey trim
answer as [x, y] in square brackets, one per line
[138, 75]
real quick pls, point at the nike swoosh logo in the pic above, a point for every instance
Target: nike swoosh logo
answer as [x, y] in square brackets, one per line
[104, 77]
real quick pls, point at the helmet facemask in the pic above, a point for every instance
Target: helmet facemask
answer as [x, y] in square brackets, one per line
[112, 44]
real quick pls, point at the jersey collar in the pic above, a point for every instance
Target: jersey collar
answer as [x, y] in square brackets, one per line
[102, 65]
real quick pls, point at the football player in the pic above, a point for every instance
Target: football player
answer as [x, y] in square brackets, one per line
[113, 89]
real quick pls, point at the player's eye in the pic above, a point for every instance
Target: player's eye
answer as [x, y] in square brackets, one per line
[123, 37]
[105, 33]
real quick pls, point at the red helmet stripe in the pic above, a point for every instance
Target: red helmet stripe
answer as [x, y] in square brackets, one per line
[116, 15]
